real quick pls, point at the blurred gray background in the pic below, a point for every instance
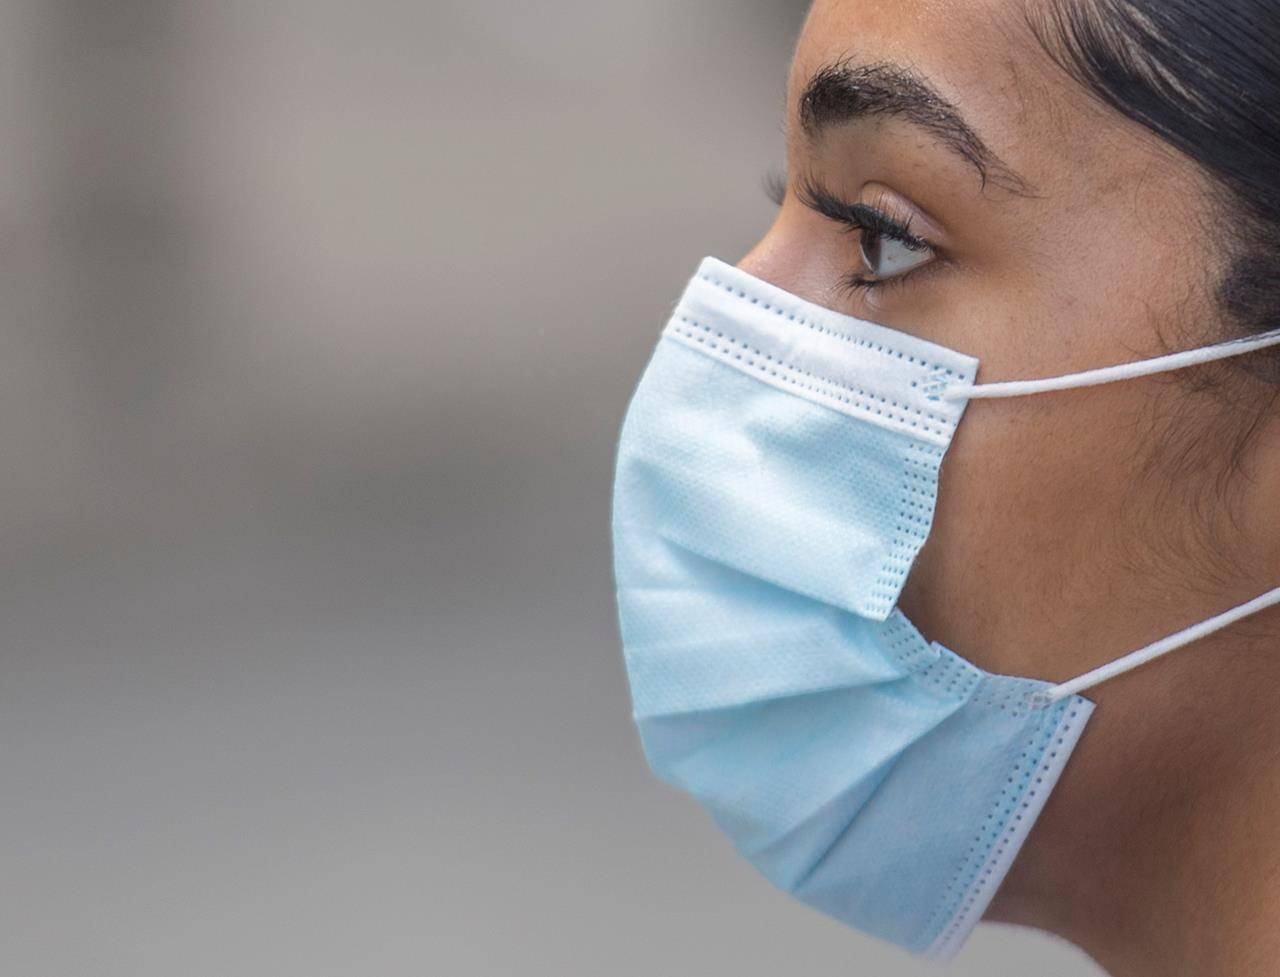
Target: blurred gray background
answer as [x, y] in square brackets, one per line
[319, 322]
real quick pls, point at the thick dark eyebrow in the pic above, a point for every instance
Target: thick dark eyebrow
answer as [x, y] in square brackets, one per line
[845, 91]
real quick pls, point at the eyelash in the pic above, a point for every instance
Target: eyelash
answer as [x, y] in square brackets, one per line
[854, 217]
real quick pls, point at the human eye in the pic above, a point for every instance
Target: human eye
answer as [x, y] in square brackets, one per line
[888, 250]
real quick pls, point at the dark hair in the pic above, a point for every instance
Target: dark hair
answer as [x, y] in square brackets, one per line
[1204, 76]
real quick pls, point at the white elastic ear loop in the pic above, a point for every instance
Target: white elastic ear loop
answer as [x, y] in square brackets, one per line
[1161, 647]
[1108, 374]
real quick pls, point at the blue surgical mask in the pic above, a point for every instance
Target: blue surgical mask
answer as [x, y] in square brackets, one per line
[776, 477]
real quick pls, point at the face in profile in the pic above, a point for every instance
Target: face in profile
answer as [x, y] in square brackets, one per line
[1044, 234]
[961, 175]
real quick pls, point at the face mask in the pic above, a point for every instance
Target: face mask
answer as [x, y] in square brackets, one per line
[776, 477]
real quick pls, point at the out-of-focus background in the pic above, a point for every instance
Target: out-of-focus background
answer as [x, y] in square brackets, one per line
[319, 320]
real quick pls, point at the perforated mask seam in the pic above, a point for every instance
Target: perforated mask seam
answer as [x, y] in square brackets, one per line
[857, 398]
[916, 490]
[991, 840]
[826, 331]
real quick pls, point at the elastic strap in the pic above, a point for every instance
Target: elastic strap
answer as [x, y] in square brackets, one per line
[1161, 647]
[1108, 374]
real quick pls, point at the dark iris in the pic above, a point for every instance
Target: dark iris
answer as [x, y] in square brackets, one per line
[869, 246]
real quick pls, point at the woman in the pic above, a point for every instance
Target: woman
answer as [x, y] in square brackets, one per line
[835, 530]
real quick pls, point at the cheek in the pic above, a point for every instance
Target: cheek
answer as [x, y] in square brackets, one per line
[1039, 513]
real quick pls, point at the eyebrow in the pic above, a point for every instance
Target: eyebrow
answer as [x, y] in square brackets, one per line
[845, 91]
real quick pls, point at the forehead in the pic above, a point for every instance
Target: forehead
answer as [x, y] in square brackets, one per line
[984, 58]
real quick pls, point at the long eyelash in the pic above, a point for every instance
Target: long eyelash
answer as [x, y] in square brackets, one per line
[860, 217]
[855, 282]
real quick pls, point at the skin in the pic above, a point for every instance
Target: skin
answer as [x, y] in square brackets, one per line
[1073, 527]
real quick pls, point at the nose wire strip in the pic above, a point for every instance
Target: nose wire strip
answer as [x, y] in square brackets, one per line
[1108, 374]
[1162, 647]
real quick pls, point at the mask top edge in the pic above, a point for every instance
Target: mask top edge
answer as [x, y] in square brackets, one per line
[715, 270]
